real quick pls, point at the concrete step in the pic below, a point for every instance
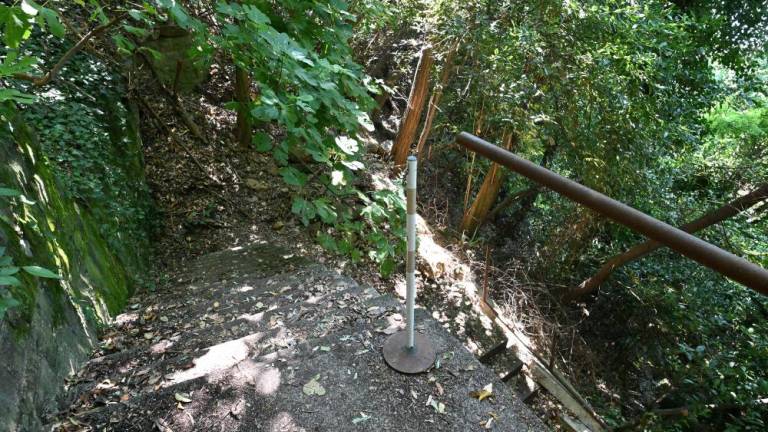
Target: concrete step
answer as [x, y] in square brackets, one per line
[263, 331]
[264, 391]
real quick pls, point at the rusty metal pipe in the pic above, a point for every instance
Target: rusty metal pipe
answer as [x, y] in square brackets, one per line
[736, 268]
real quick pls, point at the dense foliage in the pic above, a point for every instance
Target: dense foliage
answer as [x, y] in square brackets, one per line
[304, 82]
[659, 104]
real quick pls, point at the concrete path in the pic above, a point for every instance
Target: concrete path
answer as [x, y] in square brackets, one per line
[257, 339]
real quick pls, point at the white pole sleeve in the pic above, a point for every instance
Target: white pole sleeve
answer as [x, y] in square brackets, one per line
[410, 266]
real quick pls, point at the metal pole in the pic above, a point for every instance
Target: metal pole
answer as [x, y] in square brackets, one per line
[410, 264]
[736, 268]
[406, 351]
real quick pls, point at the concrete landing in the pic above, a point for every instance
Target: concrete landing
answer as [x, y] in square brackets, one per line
[256, 339]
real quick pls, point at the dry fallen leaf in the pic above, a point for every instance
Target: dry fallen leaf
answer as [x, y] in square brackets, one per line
[485, 393]
[487, 424]
[313, 387]
[182, 397]
[388, 330]
[162, 425]
[438, 406]
[363, 417]
[237, 409]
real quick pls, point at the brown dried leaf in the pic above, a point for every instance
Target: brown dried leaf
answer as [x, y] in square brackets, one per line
[484, 393]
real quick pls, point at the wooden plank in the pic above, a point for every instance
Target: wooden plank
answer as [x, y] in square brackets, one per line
[537, 369]
[494, 351]
[571, 424]
[517, 367]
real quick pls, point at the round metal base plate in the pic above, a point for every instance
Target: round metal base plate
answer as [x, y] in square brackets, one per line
[408, 360]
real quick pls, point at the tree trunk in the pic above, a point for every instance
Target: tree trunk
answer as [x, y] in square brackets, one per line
[434, 100]
[244, 129]
[488, 193]
[725, 212]
[412, 115]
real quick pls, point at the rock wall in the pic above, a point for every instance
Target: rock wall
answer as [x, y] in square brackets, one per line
[52, 327]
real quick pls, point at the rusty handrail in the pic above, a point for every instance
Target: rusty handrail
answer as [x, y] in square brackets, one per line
[736, 268]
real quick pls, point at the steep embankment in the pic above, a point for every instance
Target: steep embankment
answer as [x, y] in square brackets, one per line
[74, 203]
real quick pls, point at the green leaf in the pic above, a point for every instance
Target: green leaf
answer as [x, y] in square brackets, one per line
[7, 303]
[52, 19]
[9, 192]
[136, 31]
[265, 113]
[8, 271]
[157, 55]
[304, 209]
[301, 56]
[16, 28]
[230, 9]
[293, 177]
[40, 272]
[386, 267]
[327, 242]
[262, 142]
[17, 96]
[255, 15]
[9, 280]
[325, 211]
[124, 46]
[137, 14]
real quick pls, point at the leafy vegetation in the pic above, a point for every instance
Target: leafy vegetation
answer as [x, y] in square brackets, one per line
[659, 104]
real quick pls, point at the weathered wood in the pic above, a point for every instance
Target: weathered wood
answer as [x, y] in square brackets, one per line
[244, 129]
[434, 101]
[517, 367]
[528, 395]
[412, 115]
[571, 424]
[488, 193]
[470, 177]
[536, 368]
[177, 77]
[493, 352]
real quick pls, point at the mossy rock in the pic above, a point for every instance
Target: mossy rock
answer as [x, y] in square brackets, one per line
[54, 328]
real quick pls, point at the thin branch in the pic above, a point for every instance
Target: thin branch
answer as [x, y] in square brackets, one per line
[51, 74]
[175, 101]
